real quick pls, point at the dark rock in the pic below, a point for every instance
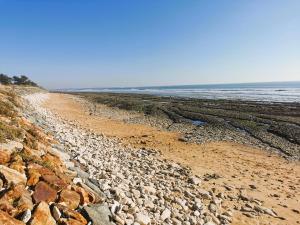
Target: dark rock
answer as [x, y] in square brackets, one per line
[99, 214]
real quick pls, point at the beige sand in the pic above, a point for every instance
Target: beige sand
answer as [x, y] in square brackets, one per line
[277, 181]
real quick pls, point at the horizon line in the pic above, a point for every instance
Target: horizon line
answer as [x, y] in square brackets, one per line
[175, 85]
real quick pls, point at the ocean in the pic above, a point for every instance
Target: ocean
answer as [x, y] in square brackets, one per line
[268, 91]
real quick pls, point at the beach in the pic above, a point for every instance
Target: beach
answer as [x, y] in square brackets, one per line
[243, 174]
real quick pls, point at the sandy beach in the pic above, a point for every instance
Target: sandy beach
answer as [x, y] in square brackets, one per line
[226, 167]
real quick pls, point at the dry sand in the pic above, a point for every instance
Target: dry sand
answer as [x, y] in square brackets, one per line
[276, 181]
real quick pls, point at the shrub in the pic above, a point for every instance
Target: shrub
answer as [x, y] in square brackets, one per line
[4, 79]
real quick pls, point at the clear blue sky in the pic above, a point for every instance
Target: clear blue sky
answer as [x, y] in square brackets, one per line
[77, 43]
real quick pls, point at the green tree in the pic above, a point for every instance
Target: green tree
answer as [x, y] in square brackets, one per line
[23, 80]
[4, 79]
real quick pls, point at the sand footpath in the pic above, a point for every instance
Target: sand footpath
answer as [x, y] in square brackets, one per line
[228, 167]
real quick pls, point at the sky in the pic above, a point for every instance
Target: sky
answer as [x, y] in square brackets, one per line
[118, 43]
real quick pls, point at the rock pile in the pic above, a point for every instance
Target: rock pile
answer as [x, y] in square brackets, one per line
[37, 188]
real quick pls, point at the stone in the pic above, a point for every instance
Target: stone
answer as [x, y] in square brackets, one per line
[43, 192]
[142, 218]
[80, 172]
[32, 152]
[26, 216]
[96, 195]
[18, 166]
[4, 157]
[99, 214]
[34, 178]
[69, 213]
[194, 180]
[16, 200]
[70, 198]
[265, 210]
[84, 195]
[77, 180]
[149, 189]
[54, 161]
[42, 215]
[12, 176]
[6, 219]
[11, 146]
[54, 181]
[136, 193]
[25, 201]
[166, 214]
[204, 194]
[62, 155]
[33, 173]
[56, 213]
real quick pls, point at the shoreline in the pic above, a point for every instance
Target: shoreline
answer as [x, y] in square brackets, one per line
[269, 126]
[239, 166]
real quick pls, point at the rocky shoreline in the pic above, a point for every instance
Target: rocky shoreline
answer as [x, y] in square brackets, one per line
[74, 176]
[269, 126]
[139, 187]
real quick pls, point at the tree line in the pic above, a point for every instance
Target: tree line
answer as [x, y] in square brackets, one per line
[16, 80]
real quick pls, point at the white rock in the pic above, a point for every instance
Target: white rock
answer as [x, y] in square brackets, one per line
[166, 214]
[142, 218]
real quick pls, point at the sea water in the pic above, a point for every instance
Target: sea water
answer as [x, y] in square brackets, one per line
[270, 91]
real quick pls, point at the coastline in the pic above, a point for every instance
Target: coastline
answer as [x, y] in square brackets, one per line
[239, 166]
[269, 126]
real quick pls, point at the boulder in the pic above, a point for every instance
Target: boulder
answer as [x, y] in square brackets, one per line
[6, 219]
[43, 192]
[70, 198]
[99, 214]
[95, 192]
[4, 157]
[12, 200]
[11, 146]
[42, 215]
[34, 174]
[72, 214]
[25, 202]
[12, 176]
[62, 155]
[54, 161]
[54, 181]
[85, 198]
[33, 152]
[18, 164]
